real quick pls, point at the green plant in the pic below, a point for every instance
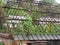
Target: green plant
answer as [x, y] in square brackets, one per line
[28, 27]
[1, 43]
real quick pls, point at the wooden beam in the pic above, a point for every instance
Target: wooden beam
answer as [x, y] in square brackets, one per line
[4, 35]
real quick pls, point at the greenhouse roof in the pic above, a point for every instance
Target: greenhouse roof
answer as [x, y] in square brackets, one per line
[37, 37]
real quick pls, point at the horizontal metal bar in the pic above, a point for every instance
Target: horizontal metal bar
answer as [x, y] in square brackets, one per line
[30, 10]
[34, 20]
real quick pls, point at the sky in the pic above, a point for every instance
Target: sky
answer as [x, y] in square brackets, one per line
[58, 1]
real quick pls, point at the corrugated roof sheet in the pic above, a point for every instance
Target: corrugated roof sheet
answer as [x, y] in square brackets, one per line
[37, 37]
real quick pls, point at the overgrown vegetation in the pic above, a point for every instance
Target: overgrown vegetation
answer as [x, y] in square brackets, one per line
[1, 43]
[28, 27]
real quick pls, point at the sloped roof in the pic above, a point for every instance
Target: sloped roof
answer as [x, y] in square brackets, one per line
[37, 37]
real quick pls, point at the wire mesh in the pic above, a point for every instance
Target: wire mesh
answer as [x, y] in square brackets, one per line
[32, 18]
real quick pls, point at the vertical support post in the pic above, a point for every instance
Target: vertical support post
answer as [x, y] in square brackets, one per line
[5, 18]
